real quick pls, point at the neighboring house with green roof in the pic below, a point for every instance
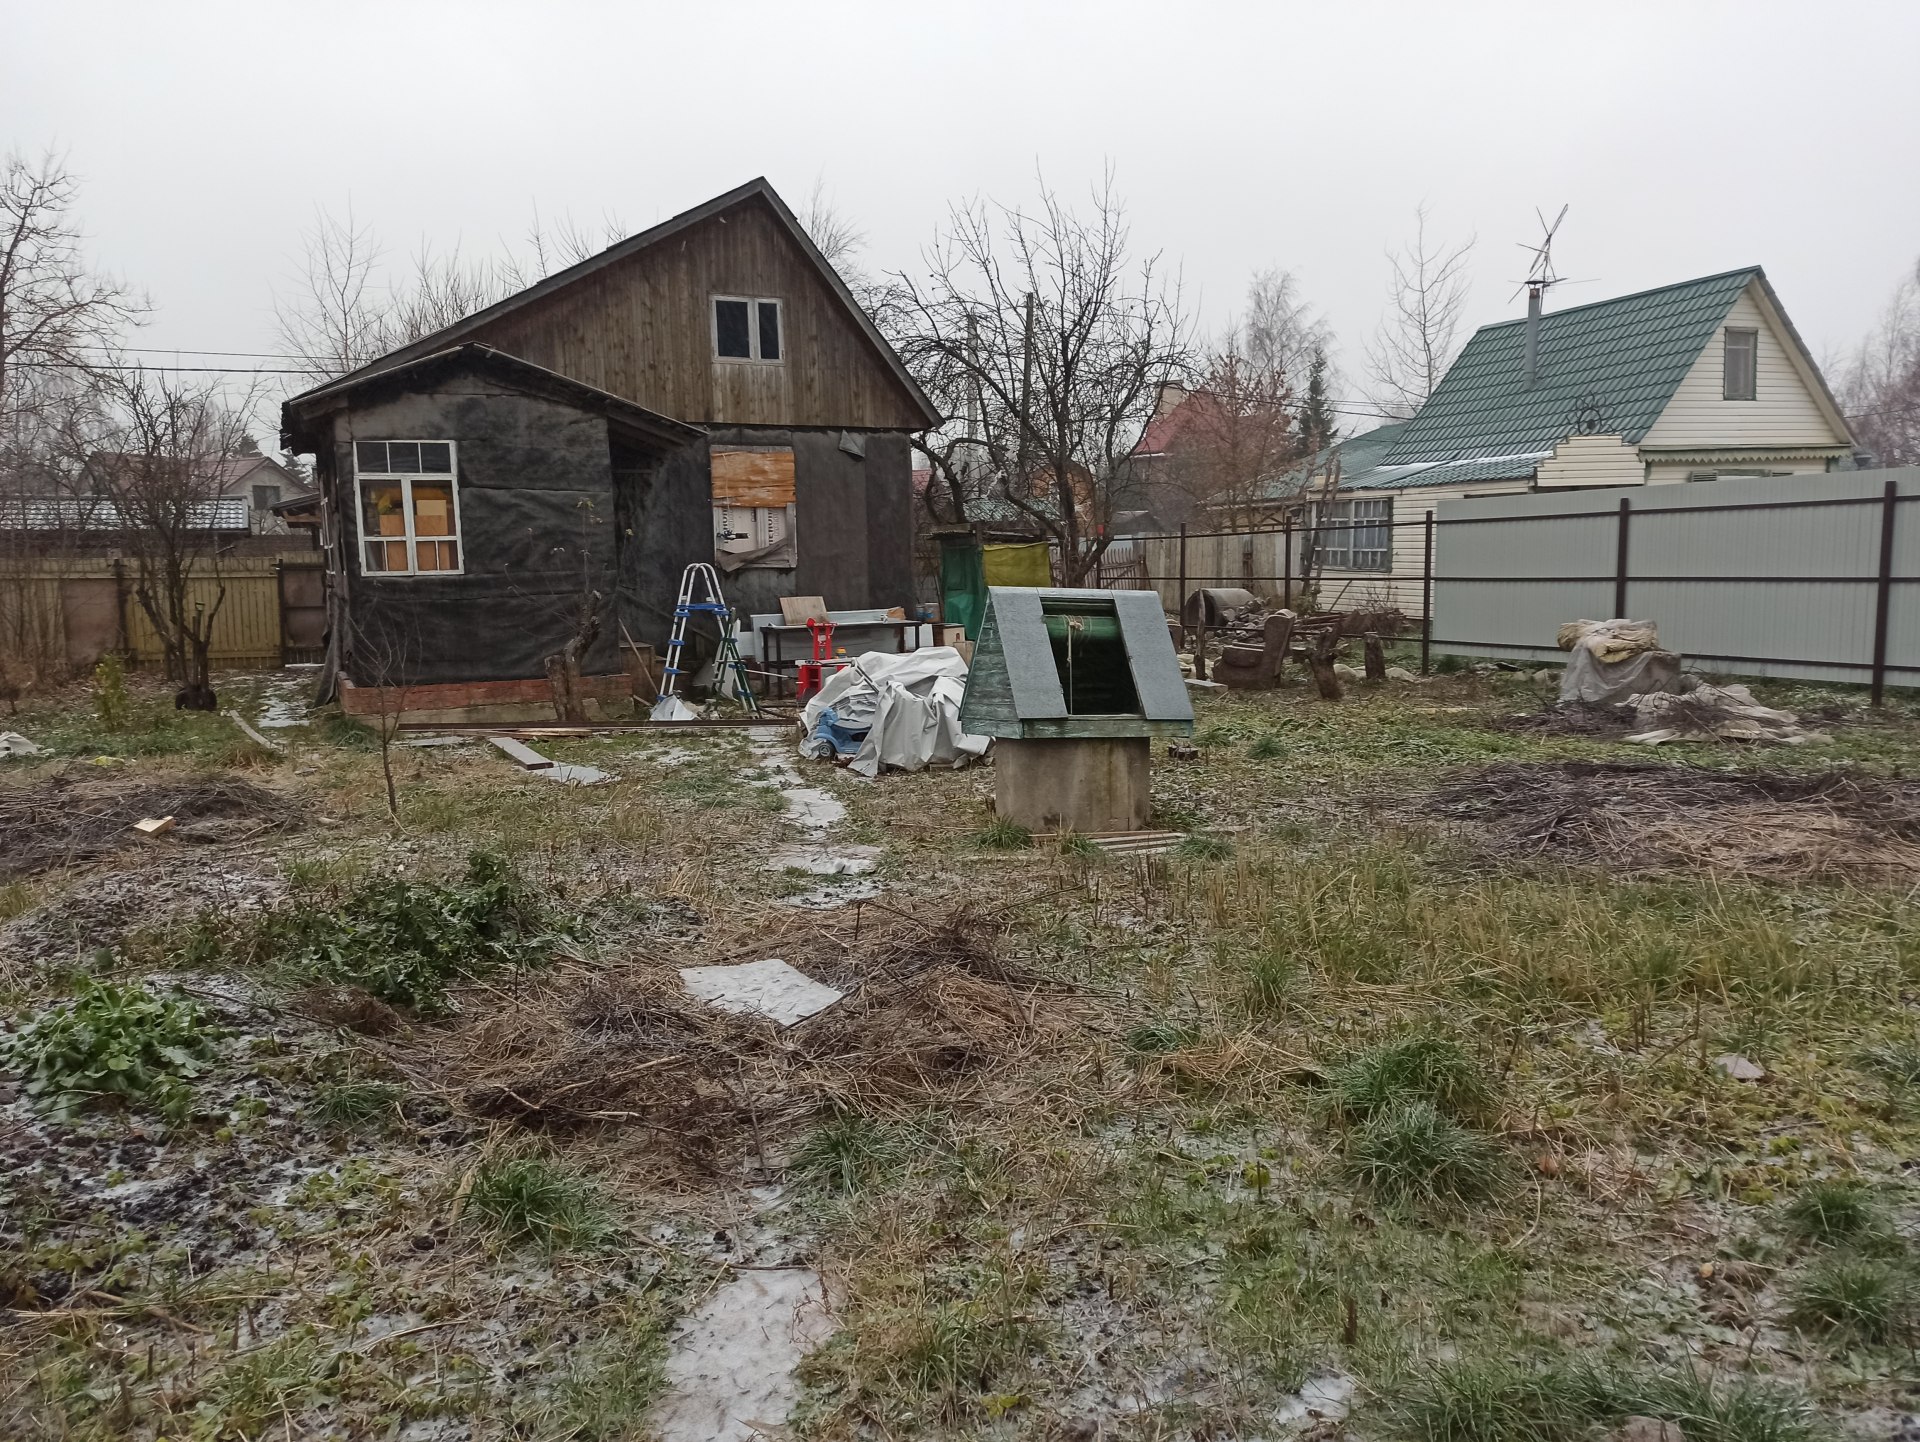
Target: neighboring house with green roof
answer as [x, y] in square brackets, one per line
[1697, 381]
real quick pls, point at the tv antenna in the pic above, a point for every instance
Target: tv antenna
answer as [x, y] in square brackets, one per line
[1541, 276]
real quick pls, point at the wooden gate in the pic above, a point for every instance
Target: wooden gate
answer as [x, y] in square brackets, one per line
[90, 617]
[303, 612]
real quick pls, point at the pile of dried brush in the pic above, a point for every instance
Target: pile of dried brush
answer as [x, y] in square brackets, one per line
[1643, 819]
[931, 1012]
[69, 819]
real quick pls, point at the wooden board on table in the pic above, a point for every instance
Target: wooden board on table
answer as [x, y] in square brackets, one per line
[798, 610]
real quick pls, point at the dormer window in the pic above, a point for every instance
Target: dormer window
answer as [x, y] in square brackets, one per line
[747, 329]
[1741, 365]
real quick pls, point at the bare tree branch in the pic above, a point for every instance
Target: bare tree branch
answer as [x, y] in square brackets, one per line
[1418, 338]
[1881, 389]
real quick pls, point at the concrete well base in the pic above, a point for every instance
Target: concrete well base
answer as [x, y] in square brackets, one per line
[1072, 785]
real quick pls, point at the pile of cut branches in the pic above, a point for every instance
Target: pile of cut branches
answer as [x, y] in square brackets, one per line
[1647, 818]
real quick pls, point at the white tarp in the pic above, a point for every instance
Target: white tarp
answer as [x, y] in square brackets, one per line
[1610, 661]
[1724, 713]
[909, 705]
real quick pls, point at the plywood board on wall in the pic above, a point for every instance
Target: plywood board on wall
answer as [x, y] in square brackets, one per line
[744, 477]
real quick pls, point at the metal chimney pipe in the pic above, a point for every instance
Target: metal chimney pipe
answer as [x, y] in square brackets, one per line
[1532, 364]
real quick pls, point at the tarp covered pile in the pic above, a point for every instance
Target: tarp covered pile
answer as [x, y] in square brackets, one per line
[1610, 661]
[901, 711]
[1620, 661]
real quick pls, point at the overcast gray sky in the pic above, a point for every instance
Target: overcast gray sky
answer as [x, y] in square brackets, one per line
[1687, 136]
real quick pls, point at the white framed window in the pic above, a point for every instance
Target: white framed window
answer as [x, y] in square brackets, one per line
[1355, 535]
[407, 500]
[748, 328]
[1741, 365]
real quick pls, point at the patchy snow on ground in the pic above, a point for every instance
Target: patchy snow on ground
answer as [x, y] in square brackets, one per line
[730, 1375]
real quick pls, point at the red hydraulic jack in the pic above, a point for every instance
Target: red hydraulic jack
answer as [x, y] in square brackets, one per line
[808, 675]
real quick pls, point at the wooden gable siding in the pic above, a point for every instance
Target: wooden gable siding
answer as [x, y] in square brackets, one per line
[642, 329]
[1783, 413]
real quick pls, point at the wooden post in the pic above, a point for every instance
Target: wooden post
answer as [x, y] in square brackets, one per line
[1426, 598]
[1883, 591]
[1376, 657]
[1200, 644]
[1620, 560]
[1320, 658]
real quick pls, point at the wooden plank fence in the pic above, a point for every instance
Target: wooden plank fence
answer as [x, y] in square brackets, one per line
[69, 611]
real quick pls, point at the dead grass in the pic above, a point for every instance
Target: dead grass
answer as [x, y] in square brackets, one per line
[933, 1012]
[72, 818]
[1648, 818]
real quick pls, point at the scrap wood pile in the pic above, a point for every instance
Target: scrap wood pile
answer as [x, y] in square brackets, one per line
[930, 1011]
[1644, 819]
[67, 820]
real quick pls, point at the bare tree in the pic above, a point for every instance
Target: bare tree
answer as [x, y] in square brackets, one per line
[1240, 434]
[1881, 391]
[1418, 338]
[1278, 331]
[163, 479]
[1048, 345]
[56, 314]
[339, 318]
[346, 311]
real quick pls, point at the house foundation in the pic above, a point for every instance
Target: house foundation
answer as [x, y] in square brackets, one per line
[608, 698]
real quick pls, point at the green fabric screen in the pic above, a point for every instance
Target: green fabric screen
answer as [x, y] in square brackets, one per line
[966, 570]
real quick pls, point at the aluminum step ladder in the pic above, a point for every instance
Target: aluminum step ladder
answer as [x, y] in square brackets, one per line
[700, 595]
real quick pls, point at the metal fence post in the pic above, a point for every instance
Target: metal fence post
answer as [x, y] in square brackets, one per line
[1883, 591]
[1180, 601]
[1426, 598]
[1286, 559]
[1620, 560]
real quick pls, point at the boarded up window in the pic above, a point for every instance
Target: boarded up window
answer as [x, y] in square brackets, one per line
[753, 508]
[753, 477]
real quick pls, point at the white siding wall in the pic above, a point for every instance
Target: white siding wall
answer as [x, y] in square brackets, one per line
[1660, 473]
[1350, 590]
[1591, 461]
[1784, 412]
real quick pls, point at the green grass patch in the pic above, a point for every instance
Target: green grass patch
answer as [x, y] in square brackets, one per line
[1835, 1213]
[531, 1201]
[403, 941]
[1203, 846]
[1412, 1152]
[1000, 834]
[1856, 1299]
[113, 1043]
[848, 1153]
[356, 1106]
[1267, 748]
[1510, 1401]
[1418, 1067]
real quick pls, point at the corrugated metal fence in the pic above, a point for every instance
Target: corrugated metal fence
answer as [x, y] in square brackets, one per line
[1815, 577]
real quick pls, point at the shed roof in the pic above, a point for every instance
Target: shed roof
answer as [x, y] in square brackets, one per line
[758, 188]
[298, 414]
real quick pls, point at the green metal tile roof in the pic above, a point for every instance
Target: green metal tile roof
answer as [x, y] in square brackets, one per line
[1609, 367]
[1446, 473]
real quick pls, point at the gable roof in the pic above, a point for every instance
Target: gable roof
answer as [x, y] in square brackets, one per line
[300, 412]
[1619, 361]
[758, 188]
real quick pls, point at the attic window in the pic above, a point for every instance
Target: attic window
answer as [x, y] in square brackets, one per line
[1090, 657]
[1741, 374]
[747, 329]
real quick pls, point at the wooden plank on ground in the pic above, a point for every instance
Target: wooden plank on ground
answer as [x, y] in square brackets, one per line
[522, 753]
